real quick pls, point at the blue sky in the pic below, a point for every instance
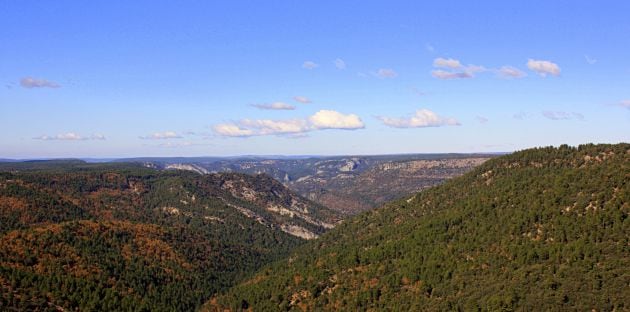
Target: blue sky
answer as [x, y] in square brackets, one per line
[193, 78]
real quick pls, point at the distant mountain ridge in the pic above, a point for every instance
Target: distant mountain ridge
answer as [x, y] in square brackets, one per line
[348, 184]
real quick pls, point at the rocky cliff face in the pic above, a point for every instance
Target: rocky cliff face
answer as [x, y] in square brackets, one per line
[352, 192]
[276, 205]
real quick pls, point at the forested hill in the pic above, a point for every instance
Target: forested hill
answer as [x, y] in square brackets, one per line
[122, 237]
[540, 229]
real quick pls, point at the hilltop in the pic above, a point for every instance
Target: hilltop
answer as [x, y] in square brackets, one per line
[107, 237]
[540, 229]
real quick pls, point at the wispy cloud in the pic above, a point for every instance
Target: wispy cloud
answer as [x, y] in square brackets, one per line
[418, 91]
[449, 68]
[446, 75]
[560, 115]
[302, 99]
[161, 136]
[543, 67]
[447, 63]
[510, 72]
[481, 119]
[386, 73]
[590, 60]
[625, 104]
[420, 119]
[521, 115]
[69, 136]
[323, 119]
[180, 144]
[309, 65]
[429, 47]
[30, 83]
[274, 106]
[454, 69]
[340, 64]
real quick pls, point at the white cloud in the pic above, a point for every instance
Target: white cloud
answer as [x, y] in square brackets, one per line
[302, 99]
[386, 73]
[543, 68]
[420, 119]
[295, 128]
[340, 64]
[481, 119]
[162, 136]
[267, 126]
[329, 119]
[590, 60]
[232, 130]
[309, 65]
[510, 72]
[455, 69]
[70, 136]
[447, 63]
[275, 106]
[559, 115]
[30, 82]
[446, 75]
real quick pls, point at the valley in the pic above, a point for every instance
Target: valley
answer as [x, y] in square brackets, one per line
[462, 232]
[540, 229]
[106, 237]
[347, 184]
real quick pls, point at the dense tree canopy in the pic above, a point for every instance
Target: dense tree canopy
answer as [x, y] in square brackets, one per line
[540, 229]
[122, 237]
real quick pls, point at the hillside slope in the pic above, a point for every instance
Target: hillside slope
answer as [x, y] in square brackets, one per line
[118, 237]
[540, 229]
